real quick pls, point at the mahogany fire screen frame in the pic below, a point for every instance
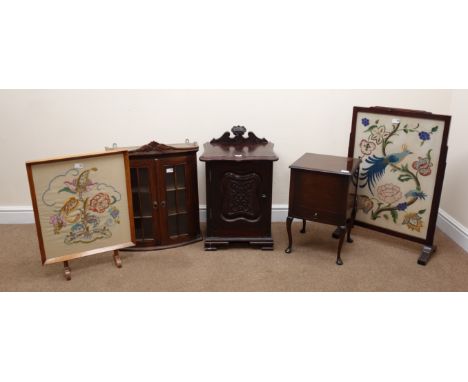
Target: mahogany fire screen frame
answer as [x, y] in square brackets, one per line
[403, 155]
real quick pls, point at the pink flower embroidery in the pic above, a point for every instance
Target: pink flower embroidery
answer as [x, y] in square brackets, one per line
[367, 147]
[389, 193]
[58, 222]
[73, 185]
[423, 166]
[99, 202]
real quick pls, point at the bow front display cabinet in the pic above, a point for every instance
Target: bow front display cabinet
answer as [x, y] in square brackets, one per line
[239, 172]
[165, 195]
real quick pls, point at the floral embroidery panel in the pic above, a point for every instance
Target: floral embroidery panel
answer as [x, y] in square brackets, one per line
[399, 156]
[82, 206]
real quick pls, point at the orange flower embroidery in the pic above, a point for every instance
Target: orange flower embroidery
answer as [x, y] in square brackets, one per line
[413, 221]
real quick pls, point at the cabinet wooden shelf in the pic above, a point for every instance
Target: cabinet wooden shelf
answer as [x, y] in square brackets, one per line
[165, 195]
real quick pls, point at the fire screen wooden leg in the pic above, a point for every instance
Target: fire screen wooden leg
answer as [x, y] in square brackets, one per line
[117, 260]
[66, 271]
[426, 254]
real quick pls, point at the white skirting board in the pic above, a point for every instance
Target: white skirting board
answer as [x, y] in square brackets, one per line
[453, 229]
[16, 215]
[446, 223]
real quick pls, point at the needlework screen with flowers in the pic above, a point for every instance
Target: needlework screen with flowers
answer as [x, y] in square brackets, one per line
[82, 204]
[400, 157]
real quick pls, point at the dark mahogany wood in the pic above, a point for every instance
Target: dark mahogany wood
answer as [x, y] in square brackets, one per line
[165, 195]
[428, 243]
[323, 189]
[239, 173]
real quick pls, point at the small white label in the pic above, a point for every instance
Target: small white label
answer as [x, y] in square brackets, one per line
[345, 171]
[78, 166]
[169, 170]
[238, 155]
[395, 121]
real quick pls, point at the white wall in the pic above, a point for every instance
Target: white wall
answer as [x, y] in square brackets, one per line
[43, 123]
[455, 192]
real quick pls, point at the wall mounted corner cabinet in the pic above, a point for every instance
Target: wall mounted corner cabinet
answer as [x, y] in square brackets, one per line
[239, 174]
[165, 195]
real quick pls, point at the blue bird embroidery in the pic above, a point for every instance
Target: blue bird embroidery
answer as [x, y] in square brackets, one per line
[416, 194]
[377, 167]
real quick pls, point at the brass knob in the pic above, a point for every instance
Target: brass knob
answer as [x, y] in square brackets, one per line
[163, 204]
[155, 204]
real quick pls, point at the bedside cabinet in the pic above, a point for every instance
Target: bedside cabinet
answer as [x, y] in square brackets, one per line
[239, 172]
[322, 190]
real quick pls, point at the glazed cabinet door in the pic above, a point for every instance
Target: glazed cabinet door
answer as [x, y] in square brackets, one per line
[178, 196]
[145, 203]
[239, 199]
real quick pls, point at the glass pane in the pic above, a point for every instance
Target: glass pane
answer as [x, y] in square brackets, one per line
[169, 178]
[172, 225]
[136, 204]
[171, 202]
[143, 177]
[148, 228]
[180, 200]
[138, 229]
[180, 175]
[146, 204]
[183, 226]
[134, 179]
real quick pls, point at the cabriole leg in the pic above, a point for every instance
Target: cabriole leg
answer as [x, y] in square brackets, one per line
[288, 228]
[336, 233]
[303, 226]
[350, 226]
[340, 245]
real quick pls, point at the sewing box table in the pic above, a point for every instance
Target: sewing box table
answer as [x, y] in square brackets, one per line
[323, 190]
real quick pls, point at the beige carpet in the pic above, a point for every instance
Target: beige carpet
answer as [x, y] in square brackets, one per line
[374, 262]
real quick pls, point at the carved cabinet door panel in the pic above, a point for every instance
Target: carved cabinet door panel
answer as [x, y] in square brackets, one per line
[240, 198]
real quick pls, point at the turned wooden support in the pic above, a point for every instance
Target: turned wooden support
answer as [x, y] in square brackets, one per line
[117, 259]
[66, 271]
